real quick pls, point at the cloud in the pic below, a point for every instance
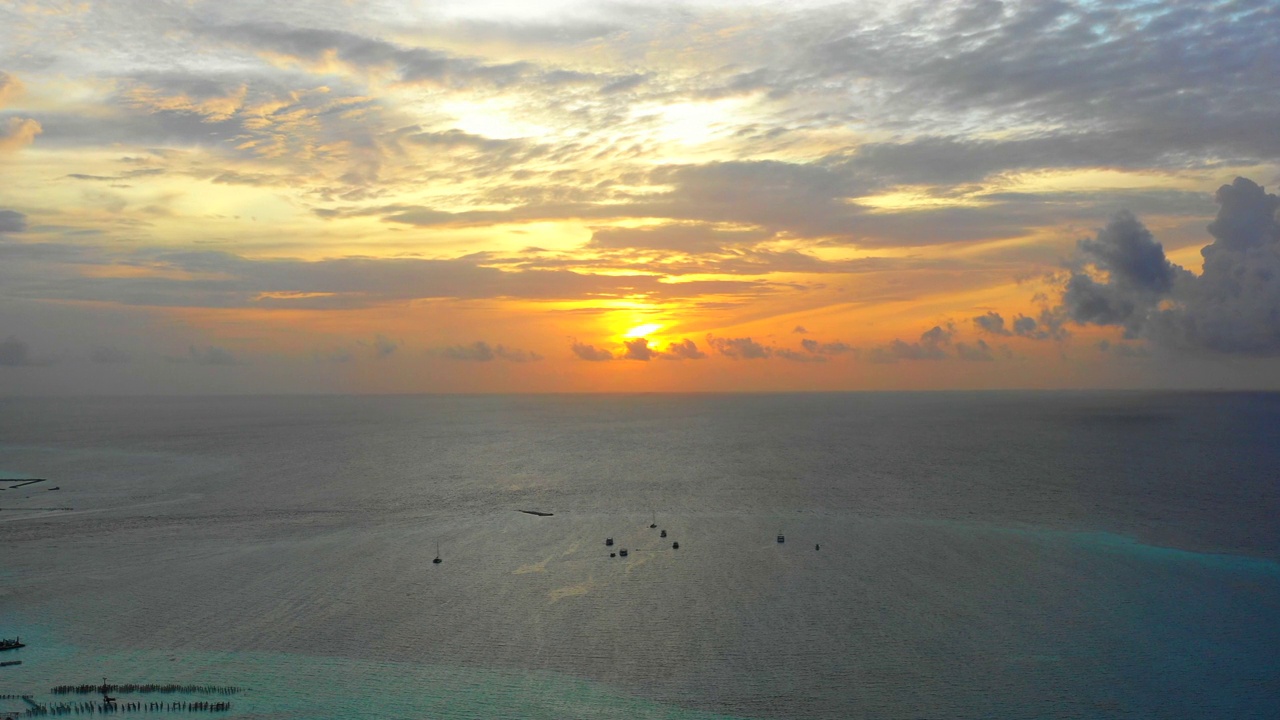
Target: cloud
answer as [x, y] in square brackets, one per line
[1232, 307]
[19, 133]
[931, 346]
[978, 351]
[992, 322]
[683, 350]
[638, 349]
[12, 221]
[743, 348]
[692, 238]
[220, 279]
[829, 348]
[481, 351]
[590, 353]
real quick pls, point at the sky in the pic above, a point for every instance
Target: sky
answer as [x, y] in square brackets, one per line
[567, 196]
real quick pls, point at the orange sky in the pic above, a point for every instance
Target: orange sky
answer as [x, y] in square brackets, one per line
[497, 197]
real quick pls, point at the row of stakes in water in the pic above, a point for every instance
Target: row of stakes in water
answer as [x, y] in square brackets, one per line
[89, 707]
[87, 688]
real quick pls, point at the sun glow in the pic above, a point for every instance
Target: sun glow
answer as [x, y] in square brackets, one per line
[642, 330]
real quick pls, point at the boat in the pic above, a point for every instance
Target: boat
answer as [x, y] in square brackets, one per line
[14, 644]
[663, 534]
[654, 524]
[675, 545]
[781, 538]
[437, 561]
[623, 552]
[608, 542]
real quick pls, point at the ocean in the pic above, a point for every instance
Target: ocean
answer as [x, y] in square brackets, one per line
[946, 555]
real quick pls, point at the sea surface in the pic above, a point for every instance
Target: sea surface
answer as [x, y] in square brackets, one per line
[982, 555]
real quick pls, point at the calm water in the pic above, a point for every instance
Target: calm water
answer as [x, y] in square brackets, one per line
[1005, 555]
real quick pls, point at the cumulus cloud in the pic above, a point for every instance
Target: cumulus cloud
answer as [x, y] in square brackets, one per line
[743, 348]
[12, 221]
[638, 349]
[1048, 327]
[685, 349]
[481, 351]
[590, 353]
[1232, 307]
[931, 346]
[978, 351]
[992, 322]
[19, 133]
[828, 348]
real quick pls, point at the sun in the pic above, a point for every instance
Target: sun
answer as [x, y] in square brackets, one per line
[642, 330]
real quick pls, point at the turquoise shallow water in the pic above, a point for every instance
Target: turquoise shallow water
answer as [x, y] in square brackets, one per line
[1007, 556]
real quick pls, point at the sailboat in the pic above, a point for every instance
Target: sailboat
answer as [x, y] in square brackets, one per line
[654, 524]
[437, 561]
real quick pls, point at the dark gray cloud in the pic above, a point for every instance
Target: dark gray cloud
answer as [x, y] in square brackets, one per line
[1137, 276]
[12, 221]
[992, 322]
[1232, 307]
[743, 348]
[590, 353]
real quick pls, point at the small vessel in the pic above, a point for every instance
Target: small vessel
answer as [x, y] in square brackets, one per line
[675, 545]
[14, 644]
[613, 554]
[781, 538]
[663, 534]
[623, 552]
[817, 546]
[654, 524]
[437, 561]
[608, 542]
